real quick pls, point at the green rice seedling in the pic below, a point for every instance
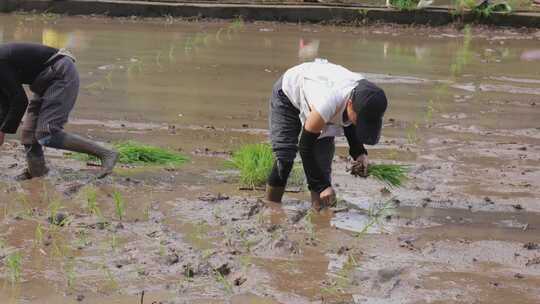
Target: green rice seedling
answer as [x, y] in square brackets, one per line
[412, 136]
[59, 249]
[376, 213]
[82, 239]
[146, 212]
[254, 162]
[14, 265]
[392, 175]
[54, 208]
[91, 202]
[140, 154]
[23, 199]
[206, 254]
[246, 242]
[162, 250]
[343, 279]
[309, 225]
[119, 204]
[227, 286]
[69, 272]
[38, 235]
[113, 284]
[113, 242]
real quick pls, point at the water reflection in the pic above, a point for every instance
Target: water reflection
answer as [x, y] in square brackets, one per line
[162, 70]
[308, 51]
[530, 55]
[55, 39]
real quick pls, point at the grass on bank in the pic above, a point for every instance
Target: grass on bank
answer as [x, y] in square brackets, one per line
[134, 153]
[404, 5]
[390, 174]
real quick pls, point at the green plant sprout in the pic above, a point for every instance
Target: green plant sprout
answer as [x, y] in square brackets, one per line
[69, 272]
[119, 204]
[14, 265]
[227, 286]
[376, 213]
[38, 235]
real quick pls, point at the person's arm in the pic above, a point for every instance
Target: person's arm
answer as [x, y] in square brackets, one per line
[356, 148]
[16, 101]
[357, 151]
[312, 130]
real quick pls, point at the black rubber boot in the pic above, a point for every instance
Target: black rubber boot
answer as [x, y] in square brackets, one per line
[75, 143]
[278, 180]
[274, 194]
[316, 202]
[35, 160]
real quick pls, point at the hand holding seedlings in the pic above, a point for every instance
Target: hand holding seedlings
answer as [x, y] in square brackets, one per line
[391, 174]
[360, 166]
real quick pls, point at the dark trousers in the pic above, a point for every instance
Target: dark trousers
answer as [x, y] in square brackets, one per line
[285, 128]
[55, 92]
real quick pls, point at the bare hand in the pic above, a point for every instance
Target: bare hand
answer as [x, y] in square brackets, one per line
[360, 166]
[328, 197]
[2, 136]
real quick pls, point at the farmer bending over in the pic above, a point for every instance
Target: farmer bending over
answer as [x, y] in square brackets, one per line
[54, 80]
[315, 100]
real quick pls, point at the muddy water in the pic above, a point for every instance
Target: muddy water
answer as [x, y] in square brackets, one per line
[464, 114]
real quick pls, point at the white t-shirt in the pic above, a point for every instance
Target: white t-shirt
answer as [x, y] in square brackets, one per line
[324, 87]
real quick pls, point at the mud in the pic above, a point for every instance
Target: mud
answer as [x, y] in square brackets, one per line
[464, 229]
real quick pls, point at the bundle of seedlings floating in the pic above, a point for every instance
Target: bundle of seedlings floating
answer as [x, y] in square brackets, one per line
[255, 161]
[393, 175]
[134, 153]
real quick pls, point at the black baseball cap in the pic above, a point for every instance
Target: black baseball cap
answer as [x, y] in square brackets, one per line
[369, 103]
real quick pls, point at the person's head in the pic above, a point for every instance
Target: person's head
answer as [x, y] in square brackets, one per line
[365, 109]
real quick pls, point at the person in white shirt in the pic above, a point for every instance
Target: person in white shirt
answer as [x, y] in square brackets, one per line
[316, 101]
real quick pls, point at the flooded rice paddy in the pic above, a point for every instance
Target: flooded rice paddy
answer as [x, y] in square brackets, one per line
[464, 113]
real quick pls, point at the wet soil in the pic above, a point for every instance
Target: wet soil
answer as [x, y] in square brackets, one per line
[464, 114]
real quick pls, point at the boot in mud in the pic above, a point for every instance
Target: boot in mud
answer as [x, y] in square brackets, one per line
[75, 143]
[35, 161]
[318, 204]
[274, 194]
